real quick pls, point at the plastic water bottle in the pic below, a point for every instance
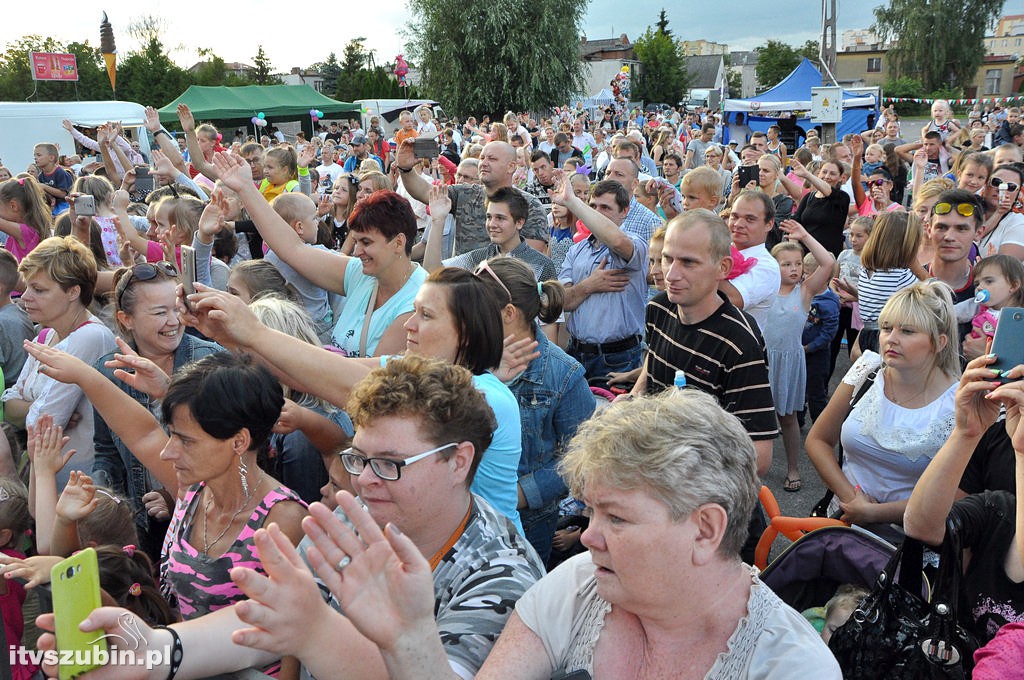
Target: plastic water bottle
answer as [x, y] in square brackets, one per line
[982, 297]
[680, 380]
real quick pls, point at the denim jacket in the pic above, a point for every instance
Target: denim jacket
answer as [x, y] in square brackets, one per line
[114, 466]
[554, 398]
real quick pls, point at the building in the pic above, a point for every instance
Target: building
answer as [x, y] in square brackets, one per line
[235, 68]
[744, 63]
[1008, 38]
[299, 76]
[706, 72]
[859, 37]
[703, 48]
[604, 59]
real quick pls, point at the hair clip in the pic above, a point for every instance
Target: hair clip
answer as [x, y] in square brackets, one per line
[135, 589]
[5, 495]
[129, 550]
[109, 495]
[21, 181]
[219, 136]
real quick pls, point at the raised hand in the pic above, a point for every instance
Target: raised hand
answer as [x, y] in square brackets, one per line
[222, 316]
[46, 443]
[78, 498]
[516, 355]
[185, 117]
[857, 147]
[164, 167]
[58, 364]
[158, 504]
[67, 125]
[122, 199]
[798, 169]
[974, 413]
[562, 193]
[307, 156]
[440, 203]
[138, 372]
[234, 172]
[35, 570]
[920, 158]
[291, 418]
[794, 230]
[152, 119]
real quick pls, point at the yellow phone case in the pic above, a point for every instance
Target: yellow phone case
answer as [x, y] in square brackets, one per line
[76, 593]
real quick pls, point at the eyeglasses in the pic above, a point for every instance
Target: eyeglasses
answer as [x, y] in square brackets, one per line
[484, 267]
[1001, 184]
[469, 179]
[965, 209]
[147, 271]
[877, 182]
[385, 468]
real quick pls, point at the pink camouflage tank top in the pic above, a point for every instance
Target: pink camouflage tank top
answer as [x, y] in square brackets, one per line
[202, 584]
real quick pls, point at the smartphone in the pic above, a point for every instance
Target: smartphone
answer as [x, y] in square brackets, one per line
[425, 147]
[748, 174]
[144, 182]
[188, 269]
[85, 206]
[76, 593]
[1008, 344]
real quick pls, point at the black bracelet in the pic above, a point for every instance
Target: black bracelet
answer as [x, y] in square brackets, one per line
[162, 131]
[177, 652]
[403, 170]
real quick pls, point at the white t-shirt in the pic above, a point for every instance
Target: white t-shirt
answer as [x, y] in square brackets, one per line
[1010, 230]
[760, 285]
[333, 171]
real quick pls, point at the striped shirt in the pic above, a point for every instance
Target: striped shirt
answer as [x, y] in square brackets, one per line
[722, 355]
[875, 288]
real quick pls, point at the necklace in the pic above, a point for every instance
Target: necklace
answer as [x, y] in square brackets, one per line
[206, 521]
[892, 394]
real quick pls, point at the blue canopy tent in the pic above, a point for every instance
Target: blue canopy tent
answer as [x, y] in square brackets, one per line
[793, 94]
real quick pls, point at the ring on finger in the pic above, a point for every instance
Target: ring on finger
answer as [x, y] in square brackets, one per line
[342, 563]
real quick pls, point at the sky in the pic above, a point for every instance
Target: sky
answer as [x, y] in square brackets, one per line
[293, 37]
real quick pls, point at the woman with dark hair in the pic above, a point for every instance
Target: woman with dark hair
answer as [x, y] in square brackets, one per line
[554, 397]
[457, 317]
[219, 412]
[379, 280]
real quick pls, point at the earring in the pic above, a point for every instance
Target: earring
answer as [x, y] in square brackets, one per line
[242, 472]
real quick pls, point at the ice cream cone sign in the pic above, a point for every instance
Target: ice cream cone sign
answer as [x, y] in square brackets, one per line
[108, 50]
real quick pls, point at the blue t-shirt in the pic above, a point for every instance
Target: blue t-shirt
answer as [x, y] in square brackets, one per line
[358, 289]
[498, 473]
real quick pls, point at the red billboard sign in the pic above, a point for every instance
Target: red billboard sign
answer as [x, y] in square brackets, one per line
[53, 66]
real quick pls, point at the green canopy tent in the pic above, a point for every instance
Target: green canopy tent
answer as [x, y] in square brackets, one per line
[242, 103]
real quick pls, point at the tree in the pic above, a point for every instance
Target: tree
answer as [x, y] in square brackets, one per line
[776, 59]
[16, 82]
[938, 42]
[663, 76]
[351, 71]
[262, 75]
[150, 77]
[329, 70]
[662, 23]
[476, 57]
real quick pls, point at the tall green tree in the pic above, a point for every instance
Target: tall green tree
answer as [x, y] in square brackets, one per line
[329, 70]
[150, 77]
[776, 59]
[263, 75]
[937, 42]
[663, 76]
[352, 71]
[476, 57]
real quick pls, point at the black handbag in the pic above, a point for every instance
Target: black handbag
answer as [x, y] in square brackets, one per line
[895, 633]
[820, 508]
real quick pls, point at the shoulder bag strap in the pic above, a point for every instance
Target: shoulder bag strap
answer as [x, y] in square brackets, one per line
[366, 320]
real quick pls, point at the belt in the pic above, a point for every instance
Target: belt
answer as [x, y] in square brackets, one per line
[605, 347]
[871, 326]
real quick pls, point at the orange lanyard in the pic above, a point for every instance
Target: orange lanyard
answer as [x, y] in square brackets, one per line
[436, 559]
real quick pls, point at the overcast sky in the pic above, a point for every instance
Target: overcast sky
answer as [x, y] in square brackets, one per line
[302, 33]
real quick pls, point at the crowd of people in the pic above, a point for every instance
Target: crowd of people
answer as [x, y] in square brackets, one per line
[503, 410]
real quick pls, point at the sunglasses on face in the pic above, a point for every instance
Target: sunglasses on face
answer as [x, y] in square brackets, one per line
[965, 209]
[1000, 184]
[877, 182]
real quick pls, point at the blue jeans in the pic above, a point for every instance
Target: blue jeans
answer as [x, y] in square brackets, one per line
[598, 365]
[539, 526]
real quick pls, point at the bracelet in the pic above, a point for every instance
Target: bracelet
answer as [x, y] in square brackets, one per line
[403, 170]
[176, 651]
[162, 131]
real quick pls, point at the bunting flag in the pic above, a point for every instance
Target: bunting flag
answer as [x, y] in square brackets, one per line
[954, 102]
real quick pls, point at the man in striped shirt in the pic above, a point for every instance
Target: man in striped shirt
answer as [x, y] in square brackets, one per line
[692, 327]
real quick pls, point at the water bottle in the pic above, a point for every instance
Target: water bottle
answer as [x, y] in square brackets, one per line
[982, 297]
[680, 380]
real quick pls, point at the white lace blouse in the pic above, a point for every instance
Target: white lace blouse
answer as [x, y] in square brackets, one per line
[886, 446]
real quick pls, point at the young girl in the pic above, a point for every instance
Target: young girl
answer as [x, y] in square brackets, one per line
[280, 172]
[971, 171]
[890, 264]
[102, 192]
[874, 158]
[1000, 283]
[176, 222]
[787, 370]
[24, 215]
[15, 521]
[847, 272]
[563, 226]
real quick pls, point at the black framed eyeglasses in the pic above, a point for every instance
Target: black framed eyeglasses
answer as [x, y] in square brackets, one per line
[386, 468]
[147, 271]
[1002, 184]
[965, 209]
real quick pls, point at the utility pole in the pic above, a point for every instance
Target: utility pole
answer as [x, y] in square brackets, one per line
[828, 58]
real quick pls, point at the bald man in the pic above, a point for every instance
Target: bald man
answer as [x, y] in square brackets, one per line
[497, 164]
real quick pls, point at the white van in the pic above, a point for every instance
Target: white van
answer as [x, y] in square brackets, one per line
[388, 111]
[25, 124]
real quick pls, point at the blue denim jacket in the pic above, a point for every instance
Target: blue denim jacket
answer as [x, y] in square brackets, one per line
[115, 466]
[554, 399]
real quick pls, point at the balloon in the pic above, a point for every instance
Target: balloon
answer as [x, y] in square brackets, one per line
[263, 122]
[261, 115]
[315, 119]
[312, 112]
[255, 120]
[625, 69]
[319, 113]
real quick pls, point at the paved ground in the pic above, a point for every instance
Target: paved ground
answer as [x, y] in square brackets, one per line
[799, 504]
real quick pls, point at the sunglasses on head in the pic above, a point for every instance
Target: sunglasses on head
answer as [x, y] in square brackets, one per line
[147, 271]
[1001, 184]
[965, 209]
